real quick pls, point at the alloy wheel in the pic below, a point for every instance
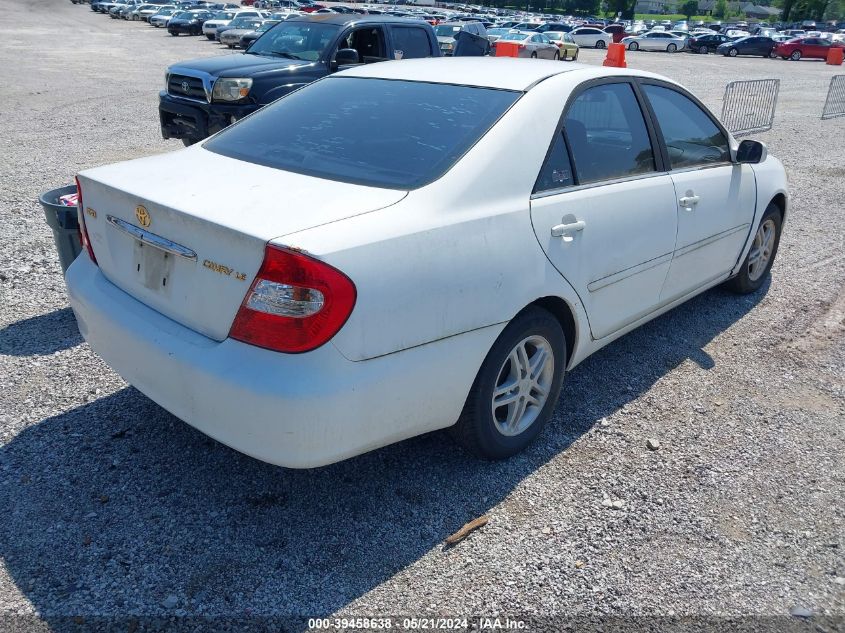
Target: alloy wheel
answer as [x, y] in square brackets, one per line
[523, 385]
[761, 250]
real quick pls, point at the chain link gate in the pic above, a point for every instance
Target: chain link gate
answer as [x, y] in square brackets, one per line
[749, 106]
[835, 104]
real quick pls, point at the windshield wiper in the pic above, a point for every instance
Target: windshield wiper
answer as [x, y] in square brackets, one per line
[285, 55]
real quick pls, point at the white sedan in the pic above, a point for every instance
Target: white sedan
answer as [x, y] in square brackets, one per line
[589, 36]
[655, 41]
[314, 282]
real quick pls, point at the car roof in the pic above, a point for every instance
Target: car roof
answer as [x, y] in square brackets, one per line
[344, 19]
[503, 73]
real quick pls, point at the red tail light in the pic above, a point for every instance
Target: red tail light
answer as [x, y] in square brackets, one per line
[295, 304]
[83, 231]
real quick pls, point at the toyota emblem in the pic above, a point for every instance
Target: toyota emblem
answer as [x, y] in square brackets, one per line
[185, 86]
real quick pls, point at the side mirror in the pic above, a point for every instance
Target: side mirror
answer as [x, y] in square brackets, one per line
[345, 57]
[751, 152]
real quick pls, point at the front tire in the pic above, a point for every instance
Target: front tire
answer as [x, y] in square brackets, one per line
[796, 55]
[733, 52]
[703, 50]
[671, 48]
[761, 255]
[534, 55]
[517, 387]
[600, 44]
[557, 56]
[633, 46]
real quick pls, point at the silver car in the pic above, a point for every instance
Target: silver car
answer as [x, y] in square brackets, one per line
[161, 18]
[232, 37]
[531, 45]
[655, 41]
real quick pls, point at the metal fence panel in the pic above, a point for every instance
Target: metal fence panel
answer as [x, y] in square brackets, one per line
[749, 106]
[835, 104]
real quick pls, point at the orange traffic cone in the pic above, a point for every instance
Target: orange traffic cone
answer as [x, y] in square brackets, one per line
[615, 55]
[835, 55]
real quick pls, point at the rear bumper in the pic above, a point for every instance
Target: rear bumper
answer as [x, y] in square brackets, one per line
[188, 119]
[298, 411]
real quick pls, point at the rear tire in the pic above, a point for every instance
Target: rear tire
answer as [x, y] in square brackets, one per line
[633, 46]
[557, 56]
[210, 37]
[527, 360]
[534, 55]
[761, 255]
[703, 50]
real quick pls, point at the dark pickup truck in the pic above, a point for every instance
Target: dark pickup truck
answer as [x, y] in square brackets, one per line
[205, 95]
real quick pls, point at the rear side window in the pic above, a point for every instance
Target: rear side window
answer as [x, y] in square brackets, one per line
[557, 170]
[376, 132]
[690, 135]
[411, 41]
[607, 134]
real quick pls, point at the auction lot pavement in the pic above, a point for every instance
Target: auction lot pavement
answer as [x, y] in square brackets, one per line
[109, 506]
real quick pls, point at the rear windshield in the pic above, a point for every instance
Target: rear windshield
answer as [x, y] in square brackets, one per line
[376, 132]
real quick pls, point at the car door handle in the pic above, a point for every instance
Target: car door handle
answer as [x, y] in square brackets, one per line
[688, 201]
[562, 230]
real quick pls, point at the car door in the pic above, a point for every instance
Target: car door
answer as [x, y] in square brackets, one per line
[603, 209]
[410, 42]
[820, 48]
[547, 49]
[653, 42]
[715, 198]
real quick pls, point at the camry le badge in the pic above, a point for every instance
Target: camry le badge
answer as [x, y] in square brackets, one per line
[143, 215]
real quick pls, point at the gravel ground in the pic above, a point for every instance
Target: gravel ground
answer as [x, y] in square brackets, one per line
[111, 506]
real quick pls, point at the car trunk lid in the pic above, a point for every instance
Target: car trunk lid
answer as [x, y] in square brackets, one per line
[184, 233]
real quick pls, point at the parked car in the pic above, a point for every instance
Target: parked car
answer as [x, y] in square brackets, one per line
[271, 285]
[559, 27]
[188, 22]
[447, 32]
[565, 44]
[494, 33]
[806, 47]
[754, 45]
[161, 18]
[530, 44]
[616, 31]
[654, 41]
[591, 37]
[248, 38]
[238, 23]
[205, 95]
[145, 12]
[231, 37]
[706, 43]
[221, 18]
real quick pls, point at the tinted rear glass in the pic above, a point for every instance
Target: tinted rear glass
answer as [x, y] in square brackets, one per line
[393, 134]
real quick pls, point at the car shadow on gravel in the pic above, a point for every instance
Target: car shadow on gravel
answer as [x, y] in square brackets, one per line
[117, 507]
[40, 335]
